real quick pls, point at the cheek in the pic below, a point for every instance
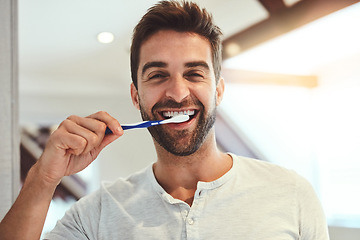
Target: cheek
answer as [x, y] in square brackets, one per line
[207, 97]
[149, 98]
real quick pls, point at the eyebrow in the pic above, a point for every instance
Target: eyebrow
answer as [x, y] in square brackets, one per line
[153, 64]
[197, 64]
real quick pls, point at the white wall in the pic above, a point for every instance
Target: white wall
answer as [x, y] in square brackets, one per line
[338, 138]
[9, 150]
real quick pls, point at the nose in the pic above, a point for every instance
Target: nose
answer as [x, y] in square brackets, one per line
[177, 88]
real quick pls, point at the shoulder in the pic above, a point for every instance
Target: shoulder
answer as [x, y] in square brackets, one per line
[271, 177]
[264, 171]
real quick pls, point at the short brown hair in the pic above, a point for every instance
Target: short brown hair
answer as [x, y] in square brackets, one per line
[178, 16]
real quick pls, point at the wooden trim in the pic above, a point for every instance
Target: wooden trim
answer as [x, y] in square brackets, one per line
[273, 6]
[283, 20]
[252, 77]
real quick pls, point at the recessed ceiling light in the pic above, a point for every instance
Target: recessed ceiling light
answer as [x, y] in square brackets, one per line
[105, 37]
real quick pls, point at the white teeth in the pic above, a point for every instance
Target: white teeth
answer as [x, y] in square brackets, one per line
[174, 113]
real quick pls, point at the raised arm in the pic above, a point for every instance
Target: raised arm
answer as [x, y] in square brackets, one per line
[71, 148]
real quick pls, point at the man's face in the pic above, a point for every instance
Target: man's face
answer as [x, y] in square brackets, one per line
[176, 76]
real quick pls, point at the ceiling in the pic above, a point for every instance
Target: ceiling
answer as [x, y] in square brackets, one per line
[64, 70]
[306, 50]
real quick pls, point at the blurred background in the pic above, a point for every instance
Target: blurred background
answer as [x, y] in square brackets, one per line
[292, 75]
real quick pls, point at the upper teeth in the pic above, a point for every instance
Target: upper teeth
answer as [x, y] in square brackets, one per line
[175, 113]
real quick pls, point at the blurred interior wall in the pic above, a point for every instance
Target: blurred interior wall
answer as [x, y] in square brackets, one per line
[9, 144]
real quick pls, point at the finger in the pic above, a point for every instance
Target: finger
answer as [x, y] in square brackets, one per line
[110, 122]
[73, 160]
[74, 143]
[68, 142]
[88, 130]
[109, 138]
[96, 126]
[97, 122]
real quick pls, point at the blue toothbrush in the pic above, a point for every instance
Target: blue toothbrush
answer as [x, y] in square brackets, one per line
[146, 124]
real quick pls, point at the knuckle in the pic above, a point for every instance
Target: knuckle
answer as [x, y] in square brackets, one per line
[81, 143]
[71, 117]
[102, 113]
[64, 124]
[68, 121]
[93, 139]
[102, 126]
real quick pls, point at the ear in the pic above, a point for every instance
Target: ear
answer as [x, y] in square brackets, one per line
[220, 91]
[135, 96]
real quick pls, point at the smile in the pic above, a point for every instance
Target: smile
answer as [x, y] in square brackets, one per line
[170, 114]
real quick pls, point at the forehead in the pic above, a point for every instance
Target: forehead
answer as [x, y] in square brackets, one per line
[175, 48]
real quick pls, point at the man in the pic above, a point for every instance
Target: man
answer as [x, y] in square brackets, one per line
[193, 190]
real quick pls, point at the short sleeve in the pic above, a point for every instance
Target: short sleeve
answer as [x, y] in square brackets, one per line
[79, 222]
[312, 219]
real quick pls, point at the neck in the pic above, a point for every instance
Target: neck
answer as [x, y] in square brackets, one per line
[179, 175]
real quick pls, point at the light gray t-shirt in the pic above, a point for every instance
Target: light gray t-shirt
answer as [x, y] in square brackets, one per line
[253, 200]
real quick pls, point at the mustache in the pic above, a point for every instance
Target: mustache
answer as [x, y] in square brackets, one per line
[170, 103]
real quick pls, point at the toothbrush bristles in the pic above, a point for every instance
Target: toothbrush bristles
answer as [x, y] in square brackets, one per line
[179, 118]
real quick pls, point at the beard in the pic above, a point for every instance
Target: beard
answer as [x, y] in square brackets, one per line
[173, 141]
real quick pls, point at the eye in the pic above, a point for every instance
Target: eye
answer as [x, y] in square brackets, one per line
[157, 76]
[195, 76]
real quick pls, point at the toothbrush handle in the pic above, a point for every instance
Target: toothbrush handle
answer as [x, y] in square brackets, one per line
[145, 124]
[137, 125]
